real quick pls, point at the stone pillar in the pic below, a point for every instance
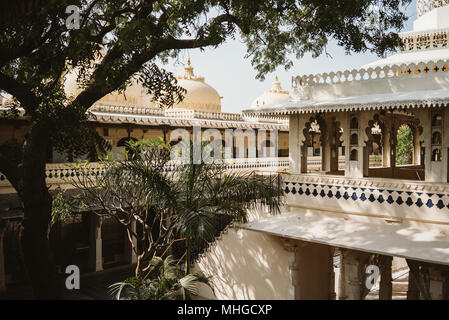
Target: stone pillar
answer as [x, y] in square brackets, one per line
[256, 143]
[3, 224]
[351, 280]
[343, 118]
[297, 146]
[386, 143]
[416, 147]
[325, 140]
[274, 143]
[386, 286]
[165, 129]
[229, 144]
[95, 244]
[424, 116]
[445, 145]
[412, 290]
[330, 145]
[129, 254]
[294, 145]
[393, 144]
[293, 268]
[438, 281]
[358, 166]
[332, 294]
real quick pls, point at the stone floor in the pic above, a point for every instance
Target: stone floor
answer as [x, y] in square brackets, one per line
[93, 286]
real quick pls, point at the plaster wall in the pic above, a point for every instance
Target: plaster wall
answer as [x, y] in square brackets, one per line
[246, 264]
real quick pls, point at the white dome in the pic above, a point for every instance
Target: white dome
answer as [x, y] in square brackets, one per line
[135, 95]
[199, 96]
[273, 96]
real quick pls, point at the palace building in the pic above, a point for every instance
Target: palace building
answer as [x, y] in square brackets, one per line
[364, 161]
[378, 213]
[96, 244]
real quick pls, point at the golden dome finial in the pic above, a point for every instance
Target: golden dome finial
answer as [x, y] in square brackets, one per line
[188, 70]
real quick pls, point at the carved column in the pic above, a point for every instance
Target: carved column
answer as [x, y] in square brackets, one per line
[438, 282]
[386, 142]
[351, 281]
[358, 151]
[343, 118]
[229, 144]
[96, 244]
[293, 268]
[256, 143]
[330, 145]
[413, 290]
[130, 256]
[297, 147]
[445, 145]
[274, 143]
[294, 145]
[424, 116]
[3, 224]
[386, 286]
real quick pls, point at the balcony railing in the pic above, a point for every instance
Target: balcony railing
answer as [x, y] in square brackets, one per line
[395, 200]
[59, 172]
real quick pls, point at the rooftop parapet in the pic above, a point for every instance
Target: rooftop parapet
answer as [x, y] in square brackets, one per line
[385, 72]
[387, 79]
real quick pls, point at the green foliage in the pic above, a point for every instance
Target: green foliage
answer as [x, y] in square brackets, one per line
[404, 148]
[120, 41]
[162, 284]
[62, 208]
[168, 198]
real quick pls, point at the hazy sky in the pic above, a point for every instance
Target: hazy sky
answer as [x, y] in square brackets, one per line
[233, 77]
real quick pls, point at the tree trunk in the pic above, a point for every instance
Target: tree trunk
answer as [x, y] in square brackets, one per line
[37, 203]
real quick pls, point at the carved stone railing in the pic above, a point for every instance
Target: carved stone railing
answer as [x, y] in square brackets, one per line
[59, 173]
[424, 40]
[379, 197]
[385, 72]
[424, 6]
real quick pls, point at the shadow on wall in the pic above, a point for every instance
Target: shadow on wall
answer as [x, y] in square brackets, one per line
[246, 265]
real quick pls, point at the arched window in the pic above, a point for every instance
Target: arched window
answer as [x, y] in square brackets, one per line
[354, 139]
[436, 155]
[354, 155]
[437, 120]
[404, 146]
[436, 137]
[354, 123]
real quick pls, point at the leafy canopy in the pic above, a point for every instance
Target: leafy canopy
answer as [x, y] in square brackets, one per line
[119, 41]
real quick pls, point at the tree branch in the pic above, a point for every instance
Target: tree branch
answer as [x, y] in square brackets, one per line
[11, 172]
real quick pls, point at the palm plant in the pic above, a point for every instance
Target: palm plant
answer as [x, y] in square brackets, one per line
[207, 190]
[163, 283]
[166, 198]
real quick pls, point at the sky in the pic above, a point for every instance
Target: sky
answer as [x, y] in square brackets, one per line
[226, 69]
